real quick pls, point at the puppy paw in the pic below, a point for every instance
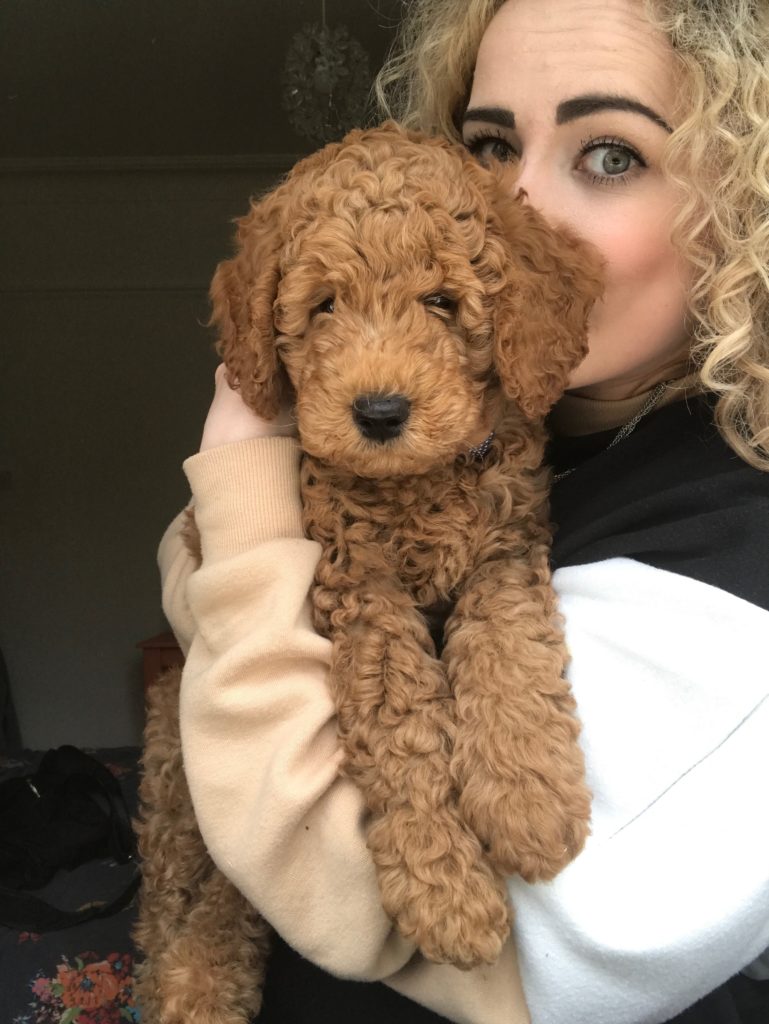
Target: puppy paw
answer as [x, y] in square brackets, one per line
[438, 889]
[448, 931]
[532, 827]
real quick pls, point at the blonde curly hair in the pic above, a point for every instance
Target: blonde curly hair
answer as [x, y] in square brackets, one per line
[718, 156]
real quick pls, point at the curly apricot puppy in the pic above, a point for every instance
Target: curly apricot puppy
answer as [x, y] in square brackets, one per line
[408, 306]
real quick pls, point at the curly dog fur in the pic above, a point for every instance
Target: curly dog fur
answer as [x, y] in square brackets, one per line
[205, 947]
[406, 303]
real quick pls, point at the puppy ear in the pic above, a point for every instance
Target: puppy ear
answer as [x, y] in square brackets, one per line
[244, 290]
[551, 281]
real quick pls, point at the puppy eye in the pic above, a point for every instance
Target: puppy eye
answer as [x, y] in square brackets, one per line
[327, 306]
[440, 302]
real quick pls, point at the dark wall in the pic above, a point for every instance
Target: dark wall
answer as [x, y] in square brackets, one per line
[126, 77]
[131, 134]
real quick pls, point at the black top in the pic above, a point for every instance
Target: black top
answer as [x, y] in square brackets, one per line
[672, 495]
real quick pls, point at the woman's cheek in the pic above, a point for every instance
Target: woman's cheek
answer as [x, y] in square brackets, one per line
[641, 318]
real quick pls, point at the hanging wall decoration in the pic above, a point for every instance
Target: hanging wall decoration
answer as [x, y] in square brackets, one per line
[326, 82]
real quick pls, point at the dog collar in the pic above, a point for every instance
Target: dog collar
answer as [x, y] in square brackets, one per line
[480, 451]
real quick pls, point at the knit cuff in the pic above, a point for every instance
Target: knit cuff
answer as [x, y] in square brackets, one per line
[245, 493]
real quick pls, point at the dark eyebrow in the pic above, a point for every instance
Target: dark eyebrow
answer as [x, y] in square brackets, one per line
[581, 106]
[570, 110]
[492, 115]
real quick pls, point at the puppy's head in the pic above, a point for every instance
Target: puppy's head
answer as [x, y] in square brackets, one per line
[392, 289]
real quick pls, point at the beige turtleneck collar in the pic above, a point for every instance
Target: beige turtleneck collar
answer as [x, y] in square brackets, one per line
[576, 416]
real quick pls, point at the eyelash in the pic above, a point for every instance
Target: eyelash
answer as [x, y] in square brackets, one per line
[611, 142]
[475, 144]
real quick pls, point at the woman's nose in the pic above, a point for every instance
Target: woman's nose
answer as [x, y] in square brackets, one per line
[533, 179]
[543, 190]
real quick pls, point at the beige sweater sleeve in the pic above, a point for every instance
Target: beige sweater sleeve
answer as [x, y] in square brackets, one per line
[260, 743]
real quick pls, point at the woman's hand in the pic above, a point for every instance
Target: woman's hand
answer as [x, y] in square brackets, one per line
[229, 418]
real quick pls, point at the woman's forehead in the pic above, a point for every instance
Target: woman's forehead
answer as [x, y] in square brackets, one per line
[537, 53]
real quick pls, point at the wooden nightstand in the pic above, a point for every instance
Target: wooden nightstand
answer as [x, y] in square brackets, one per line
[159, 653]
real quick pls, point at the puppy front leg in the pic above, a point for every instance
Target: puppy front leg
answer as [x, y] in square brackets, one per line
[395, 722]
[517, 762]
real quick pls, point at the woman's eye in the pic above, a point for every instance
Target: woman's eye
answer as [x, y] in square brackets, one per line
[327, 306]
[491, 147]
[609, 162]
[440, 302]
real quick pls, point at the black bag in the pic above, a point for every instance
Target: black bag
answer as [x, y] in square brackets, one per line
[71, 810]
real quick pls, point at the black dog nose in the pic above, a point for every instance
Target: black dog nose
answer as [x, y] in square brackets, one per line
[380, 417]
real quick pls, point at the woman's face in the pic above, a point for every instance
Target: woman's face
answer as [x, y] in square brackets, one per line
[581, 95]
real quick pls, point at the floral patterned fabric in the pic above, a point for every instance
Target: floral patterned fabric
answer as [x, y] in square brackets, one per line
[80, 975]
[89, 990]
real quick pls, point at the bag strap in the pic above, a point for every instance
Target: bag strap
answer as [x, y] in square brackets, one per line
[23, 912]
